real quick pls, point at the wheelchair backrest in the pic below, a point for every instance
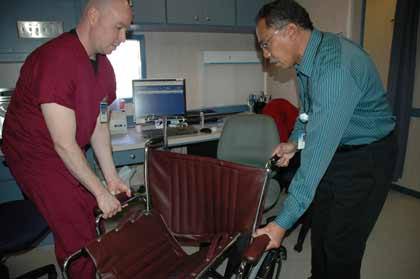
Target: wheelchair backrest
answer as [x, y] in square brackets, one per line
[199, 197]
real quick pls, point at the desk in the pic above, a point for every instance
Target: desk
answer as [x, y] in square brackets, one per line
[128, 148]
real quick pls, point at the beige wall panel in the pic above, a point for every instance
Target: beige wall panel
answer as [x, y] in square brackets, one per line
[282, 84]
[330, 15]
[379, 27]
[179, 54]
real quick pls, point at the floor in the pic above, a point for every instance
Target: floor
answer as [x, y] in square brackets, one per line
[393, 249]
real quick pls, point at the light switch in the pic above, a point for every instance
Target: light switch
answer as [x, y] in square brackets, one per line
[39, 29]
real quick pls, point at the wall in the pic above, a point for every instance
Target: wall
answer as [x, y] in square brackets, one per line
[330, 15]
[179, 54]
[336, 16]
[379, 27]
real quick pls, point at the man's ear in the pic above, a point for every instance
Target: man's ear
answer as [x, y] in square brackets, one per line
[292, 30]
[93, 15]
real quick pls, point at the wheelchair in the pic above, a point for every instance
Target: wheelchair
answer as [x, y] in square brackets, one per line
[210, 204]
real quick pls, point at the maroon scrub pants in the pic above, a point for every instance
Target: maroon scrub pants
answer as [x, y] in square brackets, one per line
[68, 210]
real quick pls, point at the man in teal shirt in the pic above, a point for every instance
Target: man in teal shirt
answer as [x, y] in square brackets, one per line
[344, 134]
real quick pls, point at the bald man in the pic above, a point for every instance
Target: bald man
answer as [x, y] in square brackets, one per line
[53, 117]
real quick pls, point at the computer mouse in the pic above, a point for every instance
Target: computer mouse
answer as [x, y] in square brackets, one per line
[205, 130]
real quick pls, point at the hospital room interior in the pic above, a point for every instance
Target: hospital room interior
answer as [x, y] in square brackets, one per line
[209, 55]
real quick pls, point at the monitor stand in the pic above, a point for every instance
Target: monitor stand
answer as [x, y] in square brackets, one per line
[165, 132]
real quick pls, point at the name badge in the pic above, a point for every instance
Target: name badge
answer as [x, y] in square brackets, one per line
[301, 141]
[103, 112]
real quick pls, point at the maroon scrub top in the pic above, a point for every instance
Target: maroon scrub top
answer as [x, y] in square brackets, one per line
[59, 72]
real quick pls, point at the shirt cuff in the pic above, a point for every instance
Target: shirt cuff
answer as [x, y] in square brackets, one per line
[294, 137]
[285, 219]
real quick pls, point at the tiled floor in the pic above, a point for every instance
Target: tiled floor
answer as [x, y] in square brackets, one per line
[393, 249]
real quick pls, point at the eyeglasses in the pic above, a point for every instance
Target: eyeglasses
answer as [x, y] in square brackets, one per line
[266, 44]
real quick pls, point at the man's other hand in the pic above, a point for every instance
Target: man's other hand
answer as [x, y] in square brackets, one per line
[285, 151]
[274, 232]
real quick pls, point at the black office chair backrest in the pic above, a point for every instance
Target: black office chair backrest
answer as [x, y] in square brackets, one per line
[24, 228]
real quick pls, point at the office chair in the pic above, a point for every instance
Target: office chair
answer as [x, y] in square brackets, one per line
[24, 228]
[284, 115]
[250, 139]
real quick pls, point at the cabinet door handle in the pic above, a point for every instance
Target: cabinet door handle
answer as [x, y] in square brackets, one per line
[208, 18]
[132, 156]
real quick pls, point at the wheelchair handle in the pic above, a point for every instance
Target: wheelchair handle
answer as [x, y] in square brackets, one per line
[154, 142]
[121, 197]
[274, 159]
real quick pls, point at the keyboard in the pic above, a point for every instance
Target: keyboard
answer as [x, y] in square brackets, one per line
[172, 131]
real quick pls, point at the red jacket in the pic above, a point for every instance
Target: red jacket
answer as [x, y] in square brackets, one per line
[284, 114]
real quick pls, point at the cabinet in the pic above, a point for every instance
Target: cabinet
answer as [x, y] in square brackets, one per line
[204, 12]
[231, 15]
[149, 11]
[13, 48]
[128, 157]
[247, 11]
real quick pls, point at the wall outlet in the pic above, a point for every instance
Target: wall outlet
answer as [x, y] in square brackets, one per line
[39, 29]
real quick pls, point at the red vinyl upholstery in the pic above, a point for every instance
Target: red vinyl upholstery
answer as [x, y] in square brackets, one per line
[193, 198]
[144, 248]
[116, 258]
[200, 196]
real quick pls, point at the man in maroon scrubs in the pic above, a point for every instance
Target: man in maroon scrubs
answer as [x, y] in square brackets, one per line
[53, 116]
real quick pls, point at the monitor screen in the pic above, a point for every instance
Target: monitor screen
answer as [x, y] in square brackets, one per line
[158, 97]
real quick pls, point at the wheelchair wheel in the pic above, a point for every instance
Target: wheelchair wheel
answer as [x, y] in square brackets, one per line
[271, 265]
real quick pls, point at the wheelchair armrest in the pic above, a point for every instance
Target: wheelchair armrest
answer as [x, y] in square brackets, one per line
[122, 198]
[254, 252]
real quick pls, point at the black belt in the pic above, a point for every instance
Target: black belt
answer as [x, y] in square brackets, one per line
[354, 147]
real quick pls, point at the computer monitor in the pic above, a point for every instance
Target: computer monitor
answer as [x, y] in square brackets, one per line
[158, 97]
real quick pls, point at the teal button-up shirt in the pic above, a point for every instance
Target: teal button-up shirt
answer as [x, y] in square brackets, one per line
[341, 91]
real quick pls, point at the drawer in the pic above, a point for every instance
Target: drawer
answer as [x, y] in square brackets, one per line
[128, 157]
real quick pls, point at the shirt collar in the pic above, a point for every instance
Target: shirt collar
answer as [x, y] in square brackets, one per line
[307, 63]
